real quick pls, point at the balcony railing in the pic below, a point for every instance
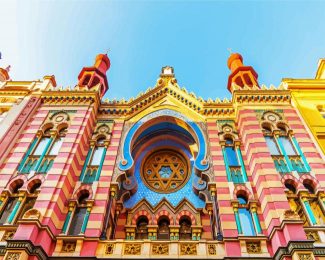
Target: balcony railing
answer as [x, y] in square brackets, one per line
[30, 164]
[90, 175]
[46, 164]
[297, 164]
[295, 161]
[236, 174]
[280, 164]
[32, 161]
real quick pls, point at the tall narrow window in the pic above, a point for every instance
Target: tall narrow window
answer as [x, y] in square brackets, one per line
[283, 147]
[142, 228]
[233, 161]
[41, 157]
[245, 217]
[9, 210]
[94, 162]
[80, 216]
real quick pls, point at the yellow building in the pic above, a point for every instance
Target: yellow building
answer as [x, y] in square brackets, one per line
[308, 95]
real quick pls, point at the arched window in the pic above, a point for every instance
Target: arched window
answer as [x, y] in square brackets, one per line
[9, 210]
[185, 230]
[233, 159]
[94, 162]
[245, 217]
[80, 216]
[284, 148]
[42, 152]
[163, 228]
[311, 201]
[142, 228]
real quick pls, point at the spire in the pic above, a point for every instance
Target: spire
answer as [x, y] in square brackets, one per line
[4, 74]
[241, 75]
[95, 76]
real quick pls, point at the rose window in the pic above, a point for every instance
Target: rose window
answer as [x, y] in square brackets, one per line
[165, 171]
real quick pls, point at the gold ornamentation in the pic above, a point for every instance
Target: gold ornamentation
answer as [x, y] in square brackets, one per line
[290, 214]
[188, 249]
[68, 246]
[32, 214]
[109, 249]
[165, 171]
[212, 250]
[132, 249]
[313, 235]
[305, 257]
[253, 247]
[160, 249]
[8, 235]
[13, 256]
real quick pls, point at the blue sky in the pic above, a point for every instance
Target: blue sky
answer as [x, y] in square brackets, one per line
[278, 38]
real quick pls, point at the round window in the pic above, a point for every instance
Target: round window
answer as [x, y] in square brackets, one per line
[165, 171]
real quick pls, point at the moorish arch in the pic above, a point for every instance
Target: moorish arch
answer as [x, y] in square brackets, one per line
[164, 157]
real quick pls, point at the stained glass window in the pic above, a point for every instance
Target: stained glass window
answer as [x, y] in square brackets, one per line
[287, 145]
[41, 146]
[165, 171]
[56, 146]
[97, 156]
[273, 147]
[6, 211]
[231, 156]
[77, 221]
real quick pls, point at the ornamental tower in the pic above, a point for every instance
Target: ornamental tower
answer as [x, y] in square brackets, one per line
[241, 75]
[95, 77]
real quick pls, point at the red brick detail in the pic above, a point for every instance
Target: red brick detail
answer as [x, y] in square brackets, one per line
[186, 213]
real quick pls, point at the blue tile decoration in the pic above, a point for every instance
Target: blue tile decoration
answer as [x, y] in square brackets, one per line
[143, 192]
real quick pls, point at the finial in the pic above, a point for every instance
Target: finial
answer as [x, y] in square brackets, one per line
[108, 50]
[230, 50]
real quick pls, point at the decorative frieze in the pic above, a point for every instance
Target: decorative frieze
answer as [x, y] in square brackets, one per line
[188, 249]
[253, 247]
[160, 249]
[69, 246]
[109, 249]
[132, 249]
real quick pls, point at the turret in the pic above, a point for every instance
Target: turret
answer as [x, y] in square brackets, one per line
[95, 76]
[241, 75]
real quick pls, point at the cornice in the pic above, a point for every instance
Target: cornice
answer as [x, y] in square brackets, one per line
[304, 84]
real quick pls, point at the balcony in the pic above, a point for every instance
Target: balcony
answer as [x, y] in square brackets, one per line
[236, 174]
[90, 175]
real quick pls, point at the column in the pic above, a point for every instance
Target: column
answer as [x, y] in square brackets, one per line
[101, 164]
[12, 215]
[253, 210]
[241, 161]
[283, 152]
[226, 163]
[294, 140]
[235, 205]
[86, 218]
[72, 206]
[49, 143]
[304, 199]
[84, 168]
[29, 151]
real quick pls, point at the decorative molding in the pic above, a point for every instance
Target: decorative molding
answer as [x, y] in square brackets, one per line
[253, 247]
[68, 246]
[188, 249]
[132, 249]
[109, 248]
[160, 249]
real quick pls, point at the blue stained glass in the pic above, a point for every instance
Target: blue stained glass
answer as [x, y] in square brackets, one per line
[287, 145]
[165, 172]
[231, 156]
[273, 147]
[41, 146]
[56, 146]
[97, 156]
[246, 222]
